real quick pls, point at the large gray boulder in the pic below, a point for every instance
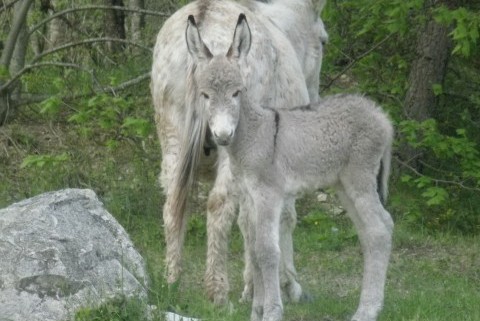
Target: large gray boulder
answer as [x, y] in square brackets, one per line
[61, 251]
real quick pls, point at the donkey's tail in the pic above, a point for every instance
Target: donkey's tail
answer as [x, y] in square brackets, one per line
[384, 173]
[189, 158]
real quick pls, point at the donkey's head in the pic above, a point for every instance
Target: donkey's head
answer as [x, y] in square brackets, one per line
[219, 81]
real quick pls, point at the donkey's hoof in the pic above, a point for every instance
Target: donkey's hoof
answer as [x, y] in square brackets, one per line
[247, 294]
[306, 297]
[220, 300]
[294, 292]
[367, 313]
[245, 299]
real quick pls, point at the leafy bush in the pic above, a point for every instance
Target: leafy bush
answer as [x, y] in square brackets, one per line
[372, 45]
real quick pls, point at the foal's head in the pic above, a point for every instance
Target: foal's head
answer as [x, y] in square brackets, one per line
[219, 81]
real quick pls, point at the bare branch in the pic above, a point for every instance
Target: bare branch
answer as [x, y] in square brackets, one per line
[32, 99]
[354, 61]
[437, 181]
[127, 84]
[6, 6]
[27, 68]
[88, 41]
[95, 7]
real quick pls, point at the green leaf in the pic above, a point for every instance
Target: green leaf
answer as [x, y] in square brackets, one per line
[4, 73]
[41, 161]
[437, 89]
[423, 181]
[138, 126]
[435, 195]
[51, 105]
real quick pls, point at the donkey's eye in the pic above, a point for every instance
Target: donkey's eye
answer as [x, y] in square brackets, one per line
[235, 94]
[204, 95]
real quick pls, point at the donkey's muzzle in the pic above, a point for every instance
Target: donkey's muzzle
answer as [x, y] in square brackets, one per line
[223, 138]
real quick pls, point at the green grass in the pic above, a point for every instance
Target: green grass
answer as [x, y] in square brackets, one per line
[433, 276]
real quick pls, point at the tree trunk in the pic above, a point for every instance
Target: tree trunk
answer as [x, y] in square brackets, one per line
[433, 49]
[115, 25]
[13, 54]
[58, 31]
[18, 62]
[138, 20]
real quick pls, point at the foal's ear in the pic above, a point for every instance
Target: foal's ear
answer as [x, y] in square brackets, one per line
[242, 39]
[196, 47]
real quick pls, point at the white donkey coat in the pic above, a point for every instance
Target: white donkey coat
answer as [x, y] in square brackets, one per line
[282, 70]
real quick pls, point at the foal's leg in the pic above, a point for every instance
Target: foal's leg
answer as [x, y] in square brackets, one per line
[252, 275]
[221, 208]
[246, 209]
[374, 227]
[268, 207]
[288, 273]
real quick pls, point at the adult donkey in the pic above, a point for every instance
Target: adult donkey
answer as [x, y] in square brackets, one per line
[342, 142]
[282, 70]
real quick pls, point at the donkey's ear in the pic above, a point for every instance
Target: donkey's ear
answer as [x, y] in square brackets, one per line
[242, 39]
[195, 45]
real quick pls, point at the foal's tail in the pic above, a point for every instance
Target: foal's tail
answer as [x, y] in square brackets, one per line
[384, 173]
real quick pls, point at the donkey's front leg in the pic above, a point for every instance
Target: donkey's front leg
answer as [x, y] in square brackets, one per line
[220, 216]
[268, 208]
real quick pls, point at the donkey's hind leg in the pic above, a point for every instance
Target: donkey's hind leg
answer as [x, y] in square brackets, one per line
[221, 208]
[374, 227]
[288, 273]
[174, 234]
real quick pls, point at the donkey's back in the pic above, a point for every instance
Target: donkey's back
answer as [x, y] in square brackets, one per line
[272, 62]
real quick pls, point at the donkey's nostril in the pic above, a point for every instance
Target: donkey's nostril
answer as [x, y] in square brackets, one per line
[223, 137]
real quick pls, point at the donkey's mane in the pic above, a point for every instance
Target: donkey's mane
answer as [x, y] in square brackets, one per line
[204, 5]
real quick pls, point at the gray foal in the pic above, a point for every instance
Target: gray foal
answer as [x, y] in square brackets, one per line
[344, 142]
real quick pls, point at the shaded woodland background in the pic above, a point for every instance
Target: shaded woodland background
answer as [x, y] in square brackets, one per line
[75, 108]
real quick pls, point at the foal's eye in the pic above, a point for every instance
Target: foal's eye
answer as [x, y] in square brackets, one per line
[235, 94]
[204, 95]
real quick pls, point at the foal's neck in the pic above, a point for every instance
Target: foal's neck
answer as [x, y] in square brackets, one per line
[255, 134]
